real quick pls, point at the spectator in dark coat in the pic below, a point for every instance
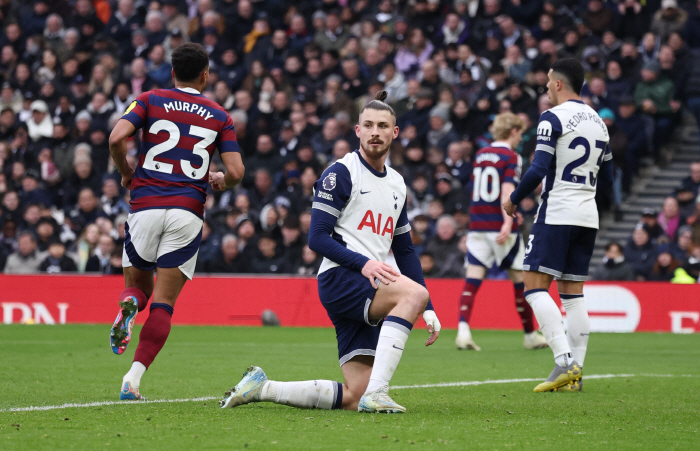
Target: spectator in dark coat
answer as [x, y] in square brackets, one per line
[641, 253]
[292, 244]
[650, 221]
[83, 177]
[86, 211]
[32, 193]
[453, 31]
[631, 123]
[123, 22]
[451, 196]
[614, 265]
[267, 260]
[310, 262]
[57, 261]
[228, 259]
[688, 190]
[665, 266]
[450, 262]
[101, 261]
[441, 132]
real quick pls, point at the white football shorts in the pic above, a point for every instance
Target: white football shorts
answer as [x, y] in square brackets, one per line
[482, 250]
[163, 238]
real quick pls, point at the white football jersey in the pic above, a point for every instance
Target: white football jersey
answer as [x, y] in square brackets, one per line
[578, 138]
[369, 205]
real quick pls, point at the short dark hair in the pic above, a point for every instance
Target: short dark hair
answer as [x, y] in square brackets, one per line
[378, 104]
[571, 71]
[612, 244]
[189, 61]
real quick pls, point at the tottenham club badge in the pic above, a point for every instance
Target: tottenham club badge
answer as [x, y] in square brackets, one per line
[329, 182]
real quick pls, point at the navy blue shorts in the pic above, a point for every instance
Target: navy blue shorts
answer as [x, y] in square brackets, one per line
[346, 296]
[563, 251]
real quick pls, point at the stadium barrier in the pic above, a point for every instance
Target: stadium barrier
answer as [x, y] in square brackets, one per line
[211, 300]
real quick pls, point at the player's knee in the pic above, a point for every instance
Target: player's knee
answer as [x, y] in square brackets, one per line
[418, 297]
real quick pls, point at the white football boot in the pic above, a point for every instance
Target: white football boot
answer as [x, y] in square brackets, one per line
[464, 337]
[535, 340]
[379, 402]
[247, 390]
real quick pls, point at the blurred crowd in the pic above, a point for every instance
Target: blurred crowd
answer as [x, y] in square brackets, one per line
[665, 245]
[293, 76]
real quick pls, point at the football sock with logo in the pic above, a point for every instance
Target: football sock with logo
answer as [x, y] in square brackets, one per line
[466, 300]
[579, 325]
[138, 294]
[392, 341]
[551, 323]
[523, 308]
[154, 334]
[319, 394]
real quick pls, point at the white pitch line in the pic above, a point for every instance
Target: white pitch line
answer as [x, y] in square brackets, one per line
[106, 403]
[509, 381]
[397, 387]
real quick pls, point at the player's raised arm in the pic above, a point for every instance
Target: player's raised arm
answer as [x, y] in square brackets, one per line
[118, 150]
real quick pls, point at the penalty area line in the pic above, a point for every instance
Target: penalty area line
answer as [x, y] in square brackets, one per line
[396, 387]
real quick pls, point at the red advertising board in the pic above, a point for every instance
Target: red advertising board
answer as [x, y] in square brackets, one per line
[613, 307]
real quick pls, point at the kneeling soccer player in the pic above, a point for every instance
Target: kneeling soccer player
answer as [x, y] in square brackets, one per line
[356, 219]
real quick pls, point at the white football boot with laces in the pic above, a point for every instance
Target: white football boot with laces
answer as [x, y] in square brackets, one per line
[379, 402]
[247, 390]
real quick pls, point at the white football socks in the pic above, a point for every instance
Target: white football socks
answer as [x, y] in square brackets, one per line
[135, 374]
[579, 325]
[551, 324]
[318, 394]
[392, 341]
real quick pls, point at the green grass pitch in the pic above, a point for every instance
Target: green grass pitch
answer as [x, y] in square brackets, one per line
[655, 404]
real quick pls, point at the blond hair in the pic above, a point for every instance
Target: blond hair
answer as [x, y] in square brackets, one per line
[504, 123]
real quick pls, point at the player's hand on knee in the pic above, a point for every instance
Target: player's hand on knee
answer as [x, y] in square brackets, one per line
[216, 180]
[434, 326]
[379, 270]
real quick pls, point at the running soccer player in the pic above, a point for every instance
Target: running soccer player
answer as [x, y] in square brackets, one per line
[359, 213]
[493, 235]
[572, 152]
[168, 189]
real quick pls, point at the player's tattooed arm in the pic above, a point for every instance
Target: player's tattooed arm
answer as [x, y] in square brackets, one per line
[118, 150]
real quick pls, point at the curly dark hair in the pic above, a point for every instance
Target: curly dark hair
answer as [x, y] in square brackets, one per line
[189, 61]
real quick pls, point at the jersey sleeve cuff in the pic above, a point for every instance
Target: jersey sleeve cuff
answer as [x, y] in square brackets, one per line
[327, 208]
[545, 148]
[402, 229]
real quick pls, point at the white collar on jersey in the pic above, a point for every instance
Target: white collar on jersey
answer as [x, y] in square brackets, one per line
[189, 90]
[501, 144]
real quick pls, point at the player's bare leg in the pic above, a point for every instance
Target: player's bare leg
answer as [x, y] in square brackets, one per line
[155, 331]
[474, 276]
[579, 325]
[552, 326]
[533, 339]
[400, 303]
